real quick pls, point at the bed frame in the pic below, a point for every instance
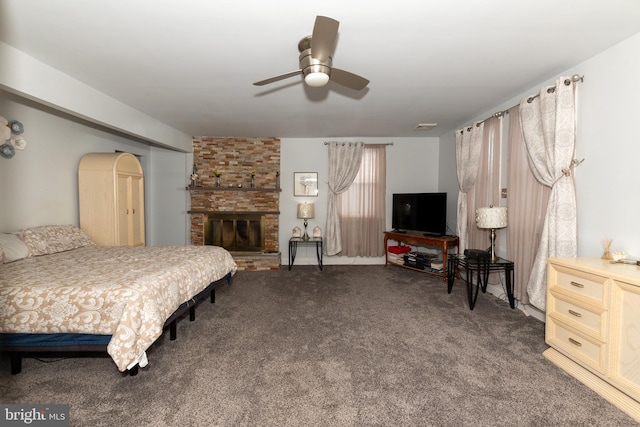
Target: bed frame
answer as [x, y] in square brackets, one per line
[17, 345]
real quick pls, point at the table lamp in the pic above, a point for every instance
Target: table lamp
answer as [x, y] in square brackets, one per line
[305, 211]
[493, 218]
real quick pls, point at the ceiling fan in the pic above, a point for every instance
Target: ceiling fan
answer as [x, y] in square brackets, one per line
[315, 59]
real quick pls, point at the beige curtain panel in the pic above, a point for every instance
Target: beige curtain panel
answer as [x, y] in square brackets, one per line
[527, 205]
[468, 145]
[344, 164]
[486, 189]
[549, 127]
[362, 206]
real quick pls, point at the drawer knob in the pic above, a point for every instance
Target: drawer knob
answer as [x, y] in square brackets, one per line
[574, 342]
[575, 313]
[577, 285]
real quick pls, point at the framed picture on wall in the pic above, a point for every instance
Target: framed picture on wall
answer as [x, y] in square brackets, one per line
[305, 184]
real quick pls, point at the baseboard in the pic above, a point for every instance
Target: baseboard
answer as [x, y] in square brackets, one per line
[498, 292]
[310, 259]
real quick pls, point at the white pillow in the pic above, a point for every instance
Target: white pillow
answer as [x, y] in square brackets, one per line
[14, 249]
[51, 239]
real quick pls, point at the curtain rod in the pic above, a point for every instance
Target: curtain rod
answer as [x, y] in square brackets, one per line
[386, 143]
[573, 79]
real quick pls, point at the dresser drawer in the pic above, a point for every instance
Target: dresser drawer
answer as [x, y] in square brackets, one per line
[586, 351]
[590, 319]
[581, 283]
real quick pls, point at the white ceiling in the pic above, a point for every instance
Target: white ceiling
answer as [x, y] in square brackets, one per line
[191, 63]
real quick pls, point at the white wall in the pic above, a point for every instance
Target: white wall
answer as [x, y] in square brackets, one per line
[608, 201]
[607, 182]
[412, 166]
[39, 185]
[24, 75]
[448, 178]
[607, 198]
[167, 199]
[64, 119]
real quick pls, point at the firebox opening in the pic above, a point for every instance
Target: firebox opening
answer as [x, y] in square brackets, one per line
[235, 232]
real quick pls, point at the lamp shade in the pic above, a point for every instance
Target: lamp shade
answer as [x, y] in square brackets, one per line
[305, 210]
[491, 217]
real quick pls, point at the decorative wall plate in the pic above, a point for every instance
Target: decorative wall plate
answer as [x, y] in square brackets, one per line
[7, 151]
[16, 127]
[19, 143]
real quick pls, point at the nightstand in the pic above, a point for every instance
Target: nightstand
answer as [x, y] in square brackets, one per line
[293, 248]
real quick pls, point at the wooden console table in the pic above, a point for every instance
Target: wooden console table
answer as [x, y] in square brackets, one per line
[419, 239]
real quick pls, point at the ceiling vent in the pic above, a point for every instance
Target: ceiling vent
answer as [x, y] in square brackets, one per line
[426, 126]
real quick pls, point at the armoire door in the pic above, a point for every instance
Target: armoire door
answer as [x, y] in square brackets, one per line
[123, 206]
[136, 234]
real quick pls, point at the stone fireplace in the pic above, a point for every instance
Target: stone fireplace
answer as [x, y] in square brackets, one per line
[228, 211]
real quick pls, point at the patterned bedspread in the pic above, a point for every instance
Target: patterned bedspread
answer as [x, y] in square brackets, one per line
[125, 292]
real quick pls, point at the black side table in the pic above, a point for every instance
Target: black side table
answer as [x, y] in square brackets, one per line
[480, 268]
[293, 248]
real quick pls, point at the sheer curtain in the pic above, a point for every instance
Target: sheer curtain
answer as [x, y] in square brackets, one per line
[548, 125]
[486, 190]
[527, 204]
[362, 206]
[344, 164]
[468, 145]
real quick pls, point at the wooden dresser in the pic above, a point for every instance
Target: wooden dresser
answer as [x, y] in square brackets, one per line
[111, 199]
[593, 326]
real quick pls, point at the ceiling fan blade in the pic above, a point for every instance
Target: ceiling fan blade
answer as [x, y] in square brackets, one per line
[348, 79]
[277, 78]
[323, 39]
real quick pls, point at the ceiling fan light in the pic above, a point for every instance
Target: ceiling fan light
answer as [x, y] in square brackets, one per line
[316, 79]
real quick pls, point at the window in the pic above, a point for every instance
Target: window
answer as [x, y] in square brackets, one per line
[362, 207]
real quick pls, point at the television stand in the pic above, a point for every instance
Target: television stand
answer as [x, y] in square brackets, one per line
[421, 239]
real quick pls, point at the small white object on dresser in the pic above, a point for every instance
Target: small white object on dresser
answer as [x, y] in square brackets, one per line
[593, 326]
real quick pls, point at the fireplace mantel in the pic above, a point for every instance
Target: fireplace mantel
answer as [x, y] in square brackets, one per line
[210, 189]
[209, 211]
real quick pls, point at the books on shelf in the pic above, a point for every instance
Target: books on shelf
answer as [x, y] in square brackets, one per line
[395, 258]
[417, 260]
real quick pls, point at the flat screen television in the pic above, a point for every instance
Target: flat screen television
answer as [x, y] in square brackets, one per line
[421, 212]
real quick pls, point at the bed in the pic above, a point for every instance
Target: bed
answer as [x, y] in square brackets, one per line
[59, 291]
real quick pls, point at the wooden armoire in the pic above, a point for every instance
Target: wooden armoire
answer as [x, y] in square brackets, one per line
[111, 199]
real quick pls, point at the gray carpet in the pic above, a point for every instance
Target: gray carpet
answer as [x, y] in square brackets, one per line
[350, 346]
